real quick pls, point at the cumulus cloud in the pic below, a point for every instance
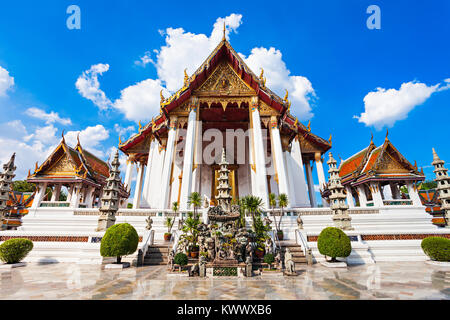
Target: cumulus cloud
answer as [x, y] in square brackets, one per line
[91, 138]
[279, 79]
[141, 100]
[123, 130]
[6, 81]
[384, 107]
[49, 118]
[89, 87]
[144, 60]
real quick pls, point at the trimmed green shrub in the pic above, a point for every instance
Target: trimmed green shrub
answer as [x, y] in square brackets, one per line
[14, 250]
[119, 240]
[437, 248]
[333, 242]
[180, 259]
[269, 259]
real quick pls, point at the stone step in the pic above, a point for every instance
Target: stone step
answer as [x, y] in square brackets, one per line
[155, 261]
[156, 255]
[158, 250]
[151, 263]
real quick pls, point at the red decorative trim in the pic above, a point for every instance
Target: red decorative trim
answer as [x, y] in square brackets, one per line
[371, 237]
[48, 238]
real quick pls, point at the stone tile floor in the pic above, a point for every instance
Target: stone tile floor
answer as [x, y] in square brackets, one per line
[385, 280]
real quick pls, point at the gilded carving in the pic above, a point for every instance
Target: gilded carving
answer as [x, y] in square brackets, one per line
[63, 165]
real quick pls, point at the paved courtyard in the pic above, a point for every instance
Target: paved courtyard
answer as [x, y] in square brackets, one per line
[405, 280]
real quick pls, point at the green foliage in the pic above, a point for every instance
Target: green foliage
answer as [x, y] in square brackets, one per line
[253, 205]
[428, 185]
[23, 186]
[269, 258]
[119, 240]
[195, 200]
[437, 248]
[272, 200]
[129, 206]
[14, 250]
[169, 223]
[175, 206]
[190, 227]
[181, 259]
[283, 202]
[333, 242]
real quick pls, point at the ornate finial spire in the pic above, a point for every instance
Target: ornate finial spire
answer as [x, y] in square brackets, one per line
[309, 125]
[162, 96]
[387, 133]
[415, 165]
[62, 136]
[261, 75]
[140, 126]
[330, 141]
[6, 186]
[371, 137]
[286, 96]
[36, 166]
[120, 140]
[435, 156]
[224, 37]
[78, 139]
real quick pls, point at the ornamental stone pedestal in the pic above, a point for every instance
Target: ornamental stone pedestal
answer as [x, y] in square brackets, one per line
[341, 218]
[6, 186]
[110, 199]
[443, 186]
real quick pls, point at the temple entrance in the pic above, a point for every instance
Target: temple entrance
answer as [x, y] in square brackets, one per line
[233, 181]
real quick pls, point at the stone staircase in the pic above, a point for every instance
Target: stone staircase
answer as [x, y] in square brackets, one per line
[157, 254]
[298, 256]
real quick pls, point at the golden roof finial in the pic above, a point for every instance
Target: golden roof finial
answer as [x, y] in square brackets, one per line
[78, 139]
[140, 126]
[286, 96]
[330, 141]
[120, 140]
[387, 133]
[224, 37]
[62, 135]
[309, 126]
[162, 96]
[29, 172]
[36, 167]
[296, 121]
[261, 74]
[371, 137]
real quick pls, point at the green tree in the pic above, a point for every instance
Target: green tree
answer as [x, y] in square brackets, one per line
[23, 186]
[119, 240]
[190, 227]
[428, 185]
[283, 202]
[333, 242]
[253, 205]
[195, 200]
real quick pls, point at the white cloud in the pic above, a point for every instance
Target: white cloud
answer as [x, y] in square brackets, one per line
[144, 60]
[141, 100]
[385, 107]
[122, 131]
[6, 81]
[89, 87]
[279, 79]
[91, 139]
[49, 118]
[189, 50]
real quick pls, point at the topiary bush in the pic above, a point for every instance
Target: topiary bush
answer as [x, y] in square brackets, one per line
[14, 250]
[333, 242]
[119, 240]
[269, 259]
[180, 259]
[437, 248]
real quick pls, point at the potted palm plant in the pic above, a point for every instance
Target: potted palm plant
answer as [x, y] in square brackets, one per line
[283, 202]
[169, 224]
[195, 200]
[190, 227]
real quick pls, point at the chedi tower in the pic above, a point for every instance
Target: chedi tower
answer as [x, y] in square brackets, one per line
[6, 186]
[337, 197]
[443, 186]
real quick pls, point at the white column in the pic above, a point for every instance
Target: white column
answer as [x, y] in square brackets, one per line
[413, 194]
[350, 202]
[278, 157]
[56, 192]
[69, 193]
[148, 170]
[138, 188]
[89, 196]
[309, 178]
[320, 173]
[75, 199]
[376, 194]
[290, 179]
[128, 175]
[154, 187]
[260, 163]
[168, 162]
[40, 193]
[186, 182]
[362, 196]
[297, 172]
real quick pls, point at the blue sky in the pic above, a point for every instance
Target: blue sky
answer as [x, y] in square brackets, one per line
[322, 50]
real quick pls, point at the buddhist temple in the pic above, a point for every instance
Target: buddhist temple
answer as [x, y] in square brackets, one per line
[374, 176]
[268, 149]
[76, 169]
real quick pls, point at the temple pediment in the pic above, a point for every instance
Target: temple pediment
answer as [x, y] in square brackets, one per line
[63, 165]
[224, 82]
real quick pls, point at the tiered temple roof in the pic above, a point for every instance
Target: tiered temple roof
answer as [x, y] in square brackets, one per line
[138, 143]
[378, 163]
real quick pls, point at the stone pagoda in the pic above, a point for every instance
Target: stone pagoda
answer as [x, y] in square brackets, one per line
[337, 197]
[223, 188]
[6, 186]
[443, 186]
[110, 198]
